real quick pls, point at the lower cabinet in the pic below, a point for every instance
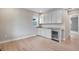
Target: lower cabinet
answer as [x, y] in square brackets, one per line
[44, 32]
[55, 34]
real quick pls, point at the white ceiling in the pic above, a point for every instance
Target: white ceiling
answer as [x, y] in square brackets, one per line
[39, 10]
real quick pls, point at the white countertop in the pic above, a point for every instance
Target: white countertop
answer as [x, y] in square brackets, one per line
[53, 28]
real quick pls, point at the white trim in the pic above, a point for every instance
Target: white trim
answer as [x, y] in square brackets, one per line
[19, 38]
[75, 33]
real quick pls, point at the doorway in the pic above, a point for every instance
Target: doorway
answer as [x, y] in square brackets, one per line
[74, 24]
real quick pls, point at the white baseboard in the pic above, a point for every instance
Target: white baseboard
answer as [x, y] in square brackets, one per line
[19, 38]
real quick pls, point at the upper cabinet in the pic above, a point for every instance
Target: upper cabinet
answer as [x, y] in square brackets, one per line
[54, 16]
[49, 17]
[46, 18]
[41, 20]
[57, 16]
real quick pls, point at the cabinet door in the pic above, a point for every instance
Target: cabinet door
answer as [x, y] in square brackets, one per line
[59, 16]
[45, 18]
[44, 32]
[39, 31]
[41, 21]
[48, 33]
[49, 17]
[54, 17]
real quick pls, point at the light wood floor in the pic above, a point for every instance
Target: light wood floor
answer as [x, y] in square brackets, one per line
[38, 43]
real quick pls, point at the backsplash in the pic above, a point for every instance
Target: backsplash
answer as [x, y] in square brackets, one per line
[52, 25]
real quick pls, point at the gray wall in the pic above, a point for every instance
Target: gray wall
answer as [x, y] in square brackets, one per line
[15, 23]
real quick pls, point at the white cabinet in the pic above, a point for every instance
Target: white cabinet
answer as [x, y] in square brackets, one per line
[46, 18]
[48, 33]
[44, 32]
[60, 15]
[54, 16]
[49, 17]
[57, 16]
[41, 21]
[39, 31]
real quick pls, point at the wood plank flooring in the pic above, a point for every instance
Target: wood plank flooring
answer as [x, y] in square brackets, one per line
[38, 43]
